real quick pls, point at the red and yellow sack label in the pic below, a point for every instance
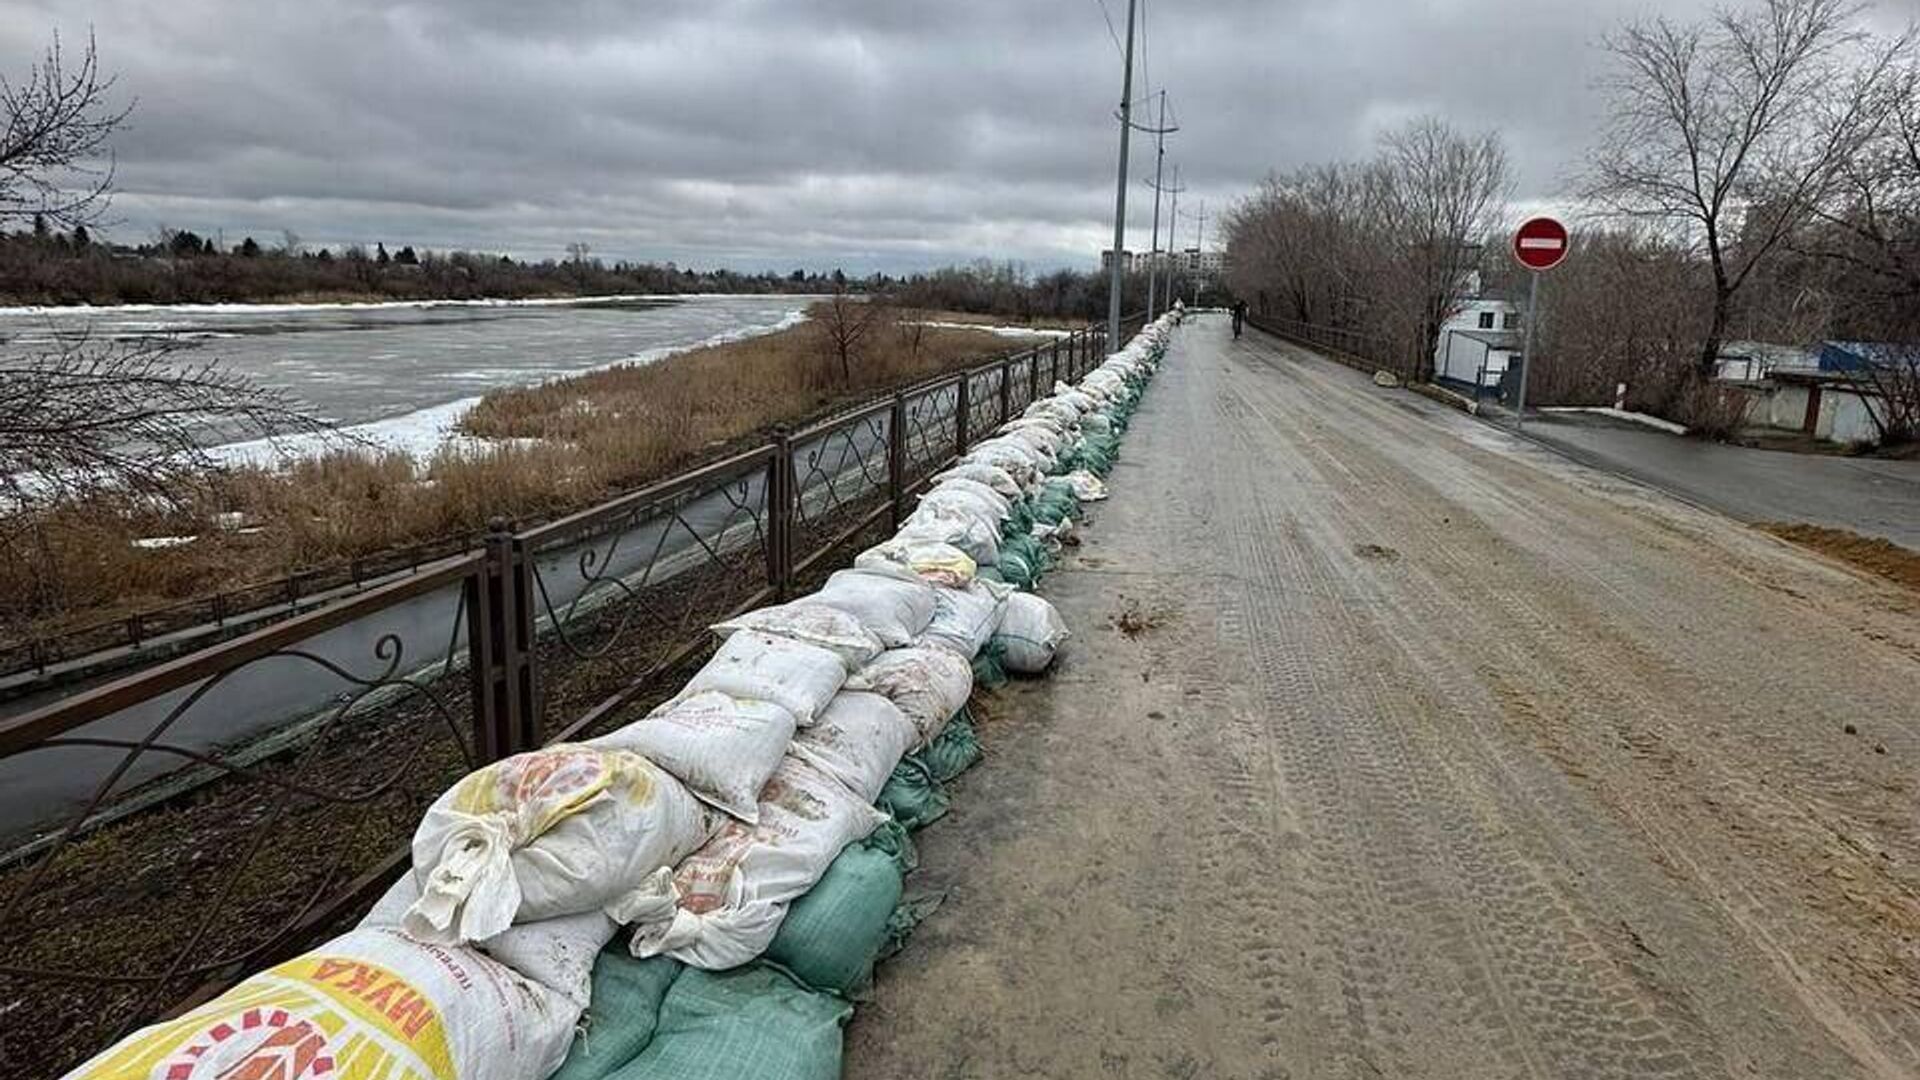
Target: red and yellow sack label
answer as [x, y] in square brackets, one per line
[316, 1017]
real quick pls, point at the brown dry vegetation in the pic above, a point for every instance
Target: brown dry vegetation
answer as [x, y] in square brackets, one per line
[546, 450]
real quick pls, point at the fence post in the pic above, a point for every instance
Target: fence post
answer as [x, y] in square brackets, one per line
[1033, 373]
[897, 461]
[501, 662]
[963, 401]
[1006, 390]
[780, 496]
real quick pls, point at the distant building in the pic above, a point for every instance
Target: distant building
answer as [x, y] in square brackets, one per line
[1208, 266]
[1127, 261]
[1752, 361]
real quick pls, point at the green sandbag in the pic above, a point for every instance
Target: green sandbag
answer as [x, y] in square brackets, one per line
[894, 841]
[833, 934]
[912, 795]
[1055, 503]
[749, 1023]
[1019, 520]
[988, 671]
[954, 752]
[626, 1007]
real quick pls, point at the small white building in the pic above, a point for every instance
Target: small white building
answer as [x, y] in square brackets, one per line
[1479, 341]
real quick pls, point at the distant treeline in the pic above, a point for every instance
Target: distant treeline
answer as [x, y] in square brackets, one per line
[46, 266]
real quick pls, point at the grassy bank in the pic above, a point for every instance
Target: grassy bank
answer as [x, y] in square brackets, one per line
[533, 452]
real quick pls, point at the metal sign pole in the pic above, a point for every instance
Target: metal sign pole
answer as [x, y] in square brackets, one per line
[1526, 352]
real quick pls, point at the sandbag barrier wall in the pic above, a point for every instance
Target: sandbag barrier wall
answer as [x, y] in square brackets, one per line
[297, 749]
[428, 987]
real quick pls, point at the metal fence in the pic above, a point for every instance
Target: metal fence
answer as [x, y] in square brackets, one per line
[169, 831]
[1354, 348]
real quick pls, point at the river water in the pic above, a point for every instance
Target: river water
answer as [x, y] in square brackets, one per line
[406, 368]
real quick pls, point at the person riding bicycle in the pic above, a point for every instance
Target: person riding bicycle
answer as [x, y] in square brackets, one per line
[1239, 316]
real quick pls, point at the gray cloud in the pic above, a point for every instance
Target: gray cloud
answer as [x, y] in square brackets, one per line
[863, 133]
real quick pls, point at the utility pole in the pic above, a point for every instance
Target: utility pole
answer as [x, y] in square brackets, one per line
[1200, 248]
[1120, 195]
[1153, 253]
[1173, 219]
[1175, 191]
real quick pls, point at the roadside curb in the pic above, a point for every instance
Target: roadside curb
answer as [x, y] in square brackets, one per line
[1446, 397]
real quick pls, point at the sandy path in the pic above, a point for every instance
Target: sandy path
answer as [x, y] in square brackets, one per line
[1446, 758]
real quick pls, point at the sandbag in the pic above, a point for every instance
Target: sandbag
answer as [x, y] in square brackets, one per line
[813, 623]
[368, 1003]
[1085, 486]
[963, 619]
[918, 560]
[858, 741]
[945, 523]
[912, 796]
[722, 748]
[927, 685]
[893, 609]
[794, 675]
[558, 831]
[1022, 560]
[833, 934]
[750, 1024]
[724, 902]
[998, 479]
[972, 494]
[557, 953]
[954, 752]
[627, 995]
[1029, 634]
[1019, 460]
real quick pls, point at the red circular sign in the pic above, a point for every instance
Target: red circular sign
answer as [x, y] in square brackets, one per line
[1540, 244]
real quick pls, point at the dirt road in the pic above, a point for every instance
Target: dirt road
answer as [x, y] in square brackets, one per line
[1423, 753]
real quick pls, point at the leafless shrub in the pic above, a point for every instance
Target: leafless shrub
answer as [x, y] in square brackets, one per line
[845, 325]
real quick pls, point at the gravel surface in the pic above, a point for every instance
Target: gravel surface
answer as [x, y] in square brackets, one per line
[1440, 756]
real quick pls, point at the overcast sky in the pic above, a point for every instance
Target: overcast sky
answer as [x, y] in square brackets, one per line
[891, 134]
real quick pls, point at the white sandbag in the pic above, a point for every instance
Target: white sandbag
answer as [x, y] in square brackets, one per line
[725, 902]
[1042, 441]
[935, 563]
[814, 624]
[1018, 459]
[894, 609]
[993, 476]
[558, 831]
[368, 1003]
[946, 523]
[1029, 634]
[794, 675]
[997, 505]
[556, 953]
[1081, 401]
[723, 748]
[963, 619]
[858, 741]
[927, 685]
[1085, 486]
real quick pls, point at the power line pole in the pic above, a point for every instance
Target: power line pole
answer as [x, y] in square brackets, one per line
[1120, 194]
[1200, 248]
[1153, 251]
[1175, 190]
[1173, 219]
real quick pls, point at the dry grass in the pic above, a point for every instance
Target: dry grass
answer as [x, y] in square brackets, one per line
[549, 449]
[1870, 553]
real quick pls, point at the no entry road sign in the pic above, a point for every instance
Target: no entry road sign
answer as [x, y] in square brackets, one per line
[1540, 244]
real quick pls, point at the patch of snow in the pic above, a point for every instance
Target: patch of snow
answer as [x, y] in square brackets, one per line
[1003, 331]
[149, 543]
[1643, 419]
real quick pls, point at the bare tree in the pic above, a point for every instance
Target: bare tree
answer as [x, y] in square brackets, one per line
[126, 417]
[1444, 191]
[1730, 131]
[844, 323]
[85, 416]
[56, 123]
